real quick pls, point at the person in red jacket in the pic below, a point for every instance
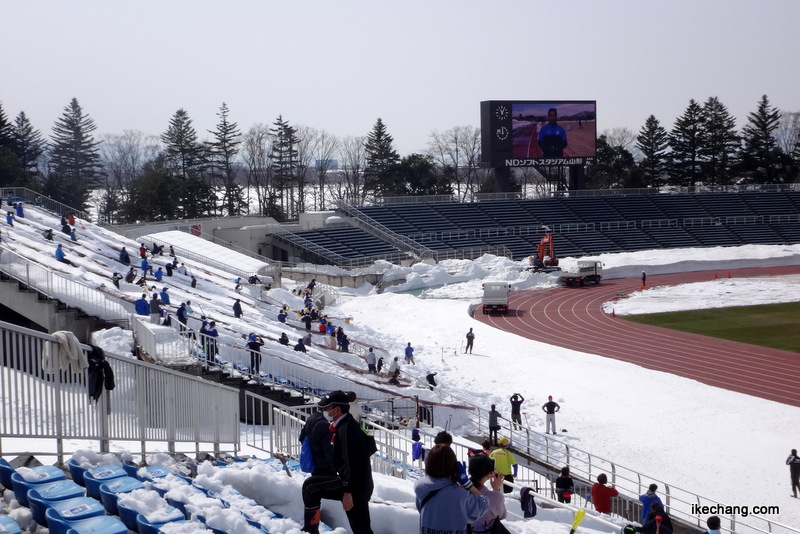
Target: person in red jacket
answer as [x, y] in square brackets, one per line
[601, 494]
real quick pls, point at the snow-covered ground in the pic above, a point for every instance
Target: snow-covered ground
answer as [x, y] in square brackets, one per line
[720, 444]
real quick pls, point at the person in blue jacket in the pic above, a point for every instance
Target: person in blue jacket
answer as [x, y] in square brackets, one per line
[647, 500]
[20, 212]
[282, 315]
[159, 274]
[62, 256]
[164, 295]
[446, 498]
[552, 137]
[142, 306]
[10, 218]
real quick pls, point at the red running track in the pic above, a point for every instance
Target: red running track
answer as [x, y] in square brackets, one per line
[572, 317]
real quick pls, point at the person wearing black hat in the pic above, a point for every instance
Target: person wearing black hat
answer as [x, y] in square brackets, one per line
[353, 483]
[481, 470]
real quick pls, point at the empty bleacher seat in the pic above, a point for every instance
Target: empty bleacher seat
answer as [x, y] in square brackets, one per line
[102, 524]
[110, 491]
[61, 513]
[5, 474]
[95, 476]
[24, 480]
[151, 526]
[8, 525]
[42, 496]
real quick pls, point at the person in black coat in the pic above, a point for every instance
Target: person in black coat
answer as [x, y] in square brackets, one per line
[352, 485]
[254, 344]
[656, 510]
[237, 308]
[300, 346]
[793, 461]
[124, 257]
[565, 486]
[317, 430]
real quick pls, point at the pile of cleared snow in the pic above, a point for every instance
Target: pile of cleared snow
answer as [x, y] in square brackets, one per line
[721, 293]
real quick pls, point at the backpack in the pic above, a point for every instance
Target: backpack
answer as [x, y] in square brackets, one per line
[527, 503]
[630, 528]
[306, 458]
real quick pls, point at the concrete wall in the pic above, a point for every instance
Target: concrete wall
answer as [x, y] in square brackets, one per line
[45, 313]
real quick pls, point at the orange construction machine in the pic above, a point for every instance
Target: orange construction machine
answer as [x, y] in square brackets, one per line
[545, 258]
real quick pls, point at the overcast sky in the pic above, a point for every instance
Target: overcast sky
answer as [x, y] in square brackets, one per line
[419, 65]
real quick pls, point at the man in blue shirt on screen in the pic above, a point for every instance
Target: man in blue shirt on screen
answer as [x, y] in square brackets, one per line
[552, 137]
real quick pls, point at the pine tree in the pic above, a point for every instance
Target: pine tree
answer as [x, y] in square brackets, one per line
[284, 165]
[614, 167]
[653, 143]
[222, 154]
[74, 158]
[721, 143]
[381, 162]
[11, 171]
[28, 143]
[6, 130]
[686, 139]
[184, 154]
[761, 155]
[417, 174]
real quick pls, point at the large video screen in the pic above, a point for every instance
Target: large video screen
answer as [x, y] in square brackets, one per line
[538, 132]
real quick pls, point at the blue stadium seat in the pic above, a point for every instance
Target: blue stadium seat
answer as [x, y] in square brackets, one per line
[95, 476]
[76, 471]
[110, 491]
[5, 474]
[102, 524]
[44, 474]
[8, 525]
[61, 513]
[42, 496]
[145, 526]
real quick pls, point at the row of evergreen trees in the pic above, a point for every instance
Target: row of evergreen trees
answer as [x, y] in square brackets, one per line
[288, 169]
[703, 148]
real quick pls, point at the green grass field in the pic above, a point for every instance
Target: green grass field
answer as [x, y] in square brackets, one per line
[770, 325]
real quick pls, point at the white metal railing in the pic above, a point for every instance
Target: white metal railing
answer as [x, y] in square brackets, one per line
[282, 425]
[152, 407]
[91, 300]
[679, 502]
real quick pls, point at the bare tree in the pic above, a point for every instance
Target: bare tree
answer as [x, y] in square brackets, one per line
[620, 137]
[351, 187]
[456, 153]
[787, 135]
[256, 150]
[325, 148]
[123, 157]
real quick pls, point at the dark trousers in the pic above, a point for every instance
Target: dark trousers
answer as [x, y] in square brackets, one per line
[469, 345]
[493, 434]
[255, 362]
[506, 487]
[517, 420]
[316, 488]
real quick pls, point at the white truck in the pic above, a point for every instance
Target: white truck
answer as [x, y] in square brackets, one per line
[583, 273]
[495, 297]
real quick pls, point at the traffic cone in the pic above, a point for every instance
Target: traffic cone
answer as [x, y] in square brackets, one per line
[716, 276]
